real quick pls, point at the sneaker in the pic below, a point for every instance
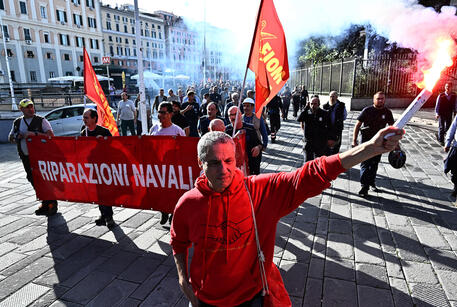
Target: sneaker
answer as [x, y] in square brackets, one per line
[100, 221]
[375, 189]
[363, 192]
[42, 210]
[110, 222]
[164, 218]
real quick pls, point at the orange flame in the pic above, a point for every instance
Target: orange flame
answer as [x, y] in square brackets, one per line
[441, 59]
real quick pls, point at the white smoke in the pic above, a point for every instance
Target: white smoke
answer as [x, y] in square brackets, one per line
[405, 22]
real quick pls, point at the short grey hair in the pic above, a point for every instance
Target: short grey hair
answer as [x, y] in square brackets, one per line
[235, 95]
[211, 139]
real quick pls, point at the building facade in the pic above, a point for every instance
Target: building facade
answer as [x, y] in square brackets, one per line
[45, 38]
[119, 40]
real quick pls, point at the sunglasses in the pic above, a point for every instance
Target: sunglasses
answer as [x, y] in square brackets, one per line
[163, 112]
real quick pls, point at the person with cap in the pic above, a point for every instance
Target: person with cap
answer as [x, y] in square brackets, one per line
[370, 121]
[30, 124]
[250, 117]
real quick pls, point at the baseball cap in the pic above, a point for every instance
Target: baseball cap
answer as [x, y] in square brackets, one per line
[25, 102]
[249, 100]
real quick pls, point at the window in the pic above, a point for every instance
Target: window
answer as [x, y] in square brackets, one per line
[68, 73]
[90, 3]
[23, 7]
[9, 53]
[116, 17]
[30, 54]
[146, 32]
[81, 58]
[108, 25]
[13, 76]
[66, 57]
[64, 39]
[94, 43]
[134, 52]
[108, 15]
[117, 27]
[153, 34]
[77, 19]
[52, 74]
[134, 42]
[125, 29]
[96, 59]
[133, 30]
[33, 76]
[111, 50]
[160, 35]
[61, 16]
[27, 34]
[92, 22]
[79, 41]
[43, 12]
[127, 51]
[2, 7]
[76, 2]
[110, 38]
[46, 37]
[5, 32]
[49, 55]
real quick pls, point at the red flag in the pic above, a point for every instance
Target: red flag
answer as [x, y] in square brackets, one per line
[268, 56]
[94, 92]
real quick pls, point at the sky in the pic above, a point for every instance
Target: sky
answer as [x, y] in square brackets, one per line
[402, 21]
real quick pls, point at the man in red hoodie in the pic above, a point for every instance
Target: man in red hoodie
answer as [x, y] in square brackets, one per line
[216, 217]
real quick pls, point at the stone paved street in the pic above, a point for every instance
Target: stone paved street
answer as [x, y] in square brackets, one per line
[396, 248]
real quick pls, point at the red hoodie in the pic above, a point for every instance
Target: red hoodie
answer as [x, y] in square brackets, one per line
[225, 269]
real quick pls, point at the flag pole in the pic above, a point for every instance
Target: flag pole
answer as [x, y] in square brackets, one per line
[247, 66]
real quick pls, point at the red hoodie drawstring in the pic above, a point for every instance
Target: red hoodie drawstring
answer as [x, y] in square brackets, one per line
[227, 225]
[205, 241]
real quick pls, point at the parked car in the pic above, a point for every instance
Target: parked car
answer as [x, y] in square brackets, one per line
[68, 120]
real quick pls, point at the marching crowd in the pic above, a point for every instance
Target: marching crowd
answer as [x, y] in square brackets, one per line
[219, 214]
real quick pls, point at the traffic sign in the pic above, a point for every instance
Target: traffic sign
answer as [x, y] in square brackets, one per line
[106, 60]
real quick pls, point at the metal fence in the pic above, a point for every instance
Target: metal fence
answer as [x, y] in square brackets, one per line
[360, 78]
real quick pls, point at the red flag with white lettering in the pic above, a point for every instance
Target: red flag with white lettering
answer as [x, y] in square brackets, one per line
[94, 92]
[268, 56]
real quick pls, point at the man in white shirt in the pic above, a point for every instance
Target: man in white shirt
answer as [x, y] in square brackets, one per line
[126, 113]
[166, 127]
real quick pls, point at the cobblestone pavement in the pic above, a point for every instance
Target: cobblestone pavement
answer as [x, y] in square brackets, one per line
[397, 248]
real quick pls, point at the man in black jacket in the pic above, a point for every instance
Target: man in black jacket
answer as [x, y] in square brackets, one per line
[314, 121]
[337, 115]
[444, 109]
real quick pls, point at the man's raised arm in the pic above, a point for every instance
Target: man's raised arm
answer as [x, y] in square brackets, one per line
[376, 146]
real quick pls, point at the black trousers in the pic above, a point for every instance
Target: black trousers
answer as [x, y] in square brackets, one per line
[275, 122]
[127, 124]
[368, 170]
[254, 164]
[28, 170]
[256, 301]
[296, 107]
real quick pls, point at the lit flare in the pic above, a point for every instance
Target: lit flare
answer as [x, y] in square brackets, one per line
[441, 59]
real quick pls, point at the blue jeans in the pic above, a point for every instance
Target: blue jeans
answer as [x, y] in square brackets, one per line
[368, 171]
[444, 122]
